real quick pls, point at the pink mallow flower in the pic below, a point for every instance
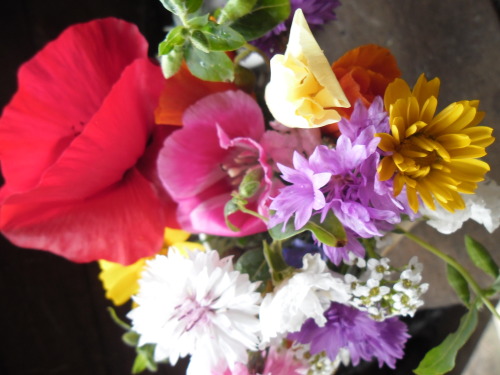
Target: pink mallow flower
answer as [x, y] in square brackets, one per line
[201, 164]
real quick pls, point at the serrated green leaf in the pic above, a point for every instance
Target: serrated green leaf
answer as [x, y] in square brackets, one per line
[222, 38]
[459, 284]
[230, 208]
[330, 231]
[481, 257]
[213, 66]
[253, 263]
[235, 9]
[265, 15]
[172, 61]
[441, 359]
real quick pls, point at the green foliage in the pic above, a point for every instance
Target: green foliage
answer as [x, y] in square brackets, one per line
[253, 263]
[145, 359]
[277, 265]
[213, 66]
[171, 62]
[441, 359]
[481, 257]
[264, 16]
[330, 231]
[181, 7]
[459, 284]
[235, 9]
[230, 208]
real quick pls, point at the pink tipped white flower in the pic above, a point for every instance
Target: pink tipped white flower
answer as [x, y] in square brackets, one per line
[199, 306]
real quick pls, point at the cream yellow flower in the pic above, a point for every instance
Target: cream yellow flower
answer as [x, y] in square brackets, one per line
[303, 91]
[121, 282]
[435, 157]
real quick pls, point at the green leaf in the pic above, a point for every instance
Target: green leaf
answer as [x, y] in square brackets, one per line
[459, 284]
[213, 66]
[330, 231]
[277, 265]
[230, 208]
[265, 15]
[193, 5]
[172, 61]
[441, 359]
[250, 183]
[200, 41]
[481, 257]
[175, 37]
[144, 359]
[198, 22]
[235, 9]
[130, 338]
[222, 38]
[174, 6]
[253, 263]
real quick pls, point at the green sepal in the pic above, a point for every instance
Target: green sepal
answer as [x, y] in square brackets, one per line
[213, 66]
[265, 15]
[235, 9]
[253, 263]
[251, 183]
[458, 283]
[222, 38]
[441, 359]
[481, 257]
[330, 231]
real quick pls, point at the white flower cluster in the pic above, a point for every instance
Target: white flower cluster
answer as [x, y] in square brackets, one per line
[380, 296]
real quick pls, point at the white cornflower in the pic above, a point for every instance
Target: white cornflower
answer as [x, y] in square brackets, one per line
[199, 306]
[307, 294]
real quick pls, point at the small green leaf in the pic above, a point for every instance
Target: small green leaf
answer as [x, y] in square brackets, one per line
[222, 38]
[198, 22]
[144, 359]
[481, 257]
[193, 5]
[200, 41]
[172, 61]
[230, 208]
[330, 231]
[441, 359]
[175, 37]
[265, 15]
[174, 6]
[459, 284]
[213, 66]
[235, 9]
[253, 263]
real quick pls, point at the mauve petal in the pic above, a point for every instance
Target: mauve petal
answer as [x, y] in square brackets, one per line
[60, 89]
[121, 224]
[110, 144]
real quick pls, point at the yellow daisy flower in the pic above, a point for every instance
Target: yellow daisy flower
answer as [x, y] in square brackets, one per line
[434, 156]
[121, 282]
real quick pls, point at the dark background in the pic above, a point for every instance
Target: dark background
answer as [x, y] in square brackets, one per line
[53, 313]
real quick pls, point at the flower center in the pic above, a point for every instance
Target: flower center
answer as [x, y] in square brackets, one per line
[418, 155]
[191, 313]
[238, 162]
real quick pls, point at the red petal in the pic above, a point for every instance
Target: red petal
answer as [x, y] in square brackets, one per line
[60, 89]
[120, 224]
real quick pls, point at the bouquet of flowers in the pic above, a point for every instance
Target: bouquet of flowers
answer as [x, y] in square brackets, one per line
[241, 189]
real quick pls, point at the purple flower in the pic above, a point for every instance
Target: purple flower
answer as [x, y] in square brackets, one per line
[316, 12]
[300, 198]
[295, 251]
[339, 254]
[354, 330]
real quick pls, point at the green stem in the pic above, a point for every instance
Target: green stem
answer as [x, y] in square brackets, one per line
[253, 213]
[452, 262]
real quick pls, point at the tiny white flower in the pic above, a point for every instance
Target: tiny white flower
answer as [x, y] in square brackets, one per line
[199, 306]
[379, 268]
[307, 294]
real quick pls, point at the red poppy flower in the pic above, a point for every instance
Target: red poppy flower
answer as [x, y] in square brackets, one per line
[78, 148]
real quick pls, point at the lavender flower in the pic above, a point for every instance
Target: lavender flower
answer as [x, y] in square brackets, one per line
[316, 12]
[353, 330]
[300, 198]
